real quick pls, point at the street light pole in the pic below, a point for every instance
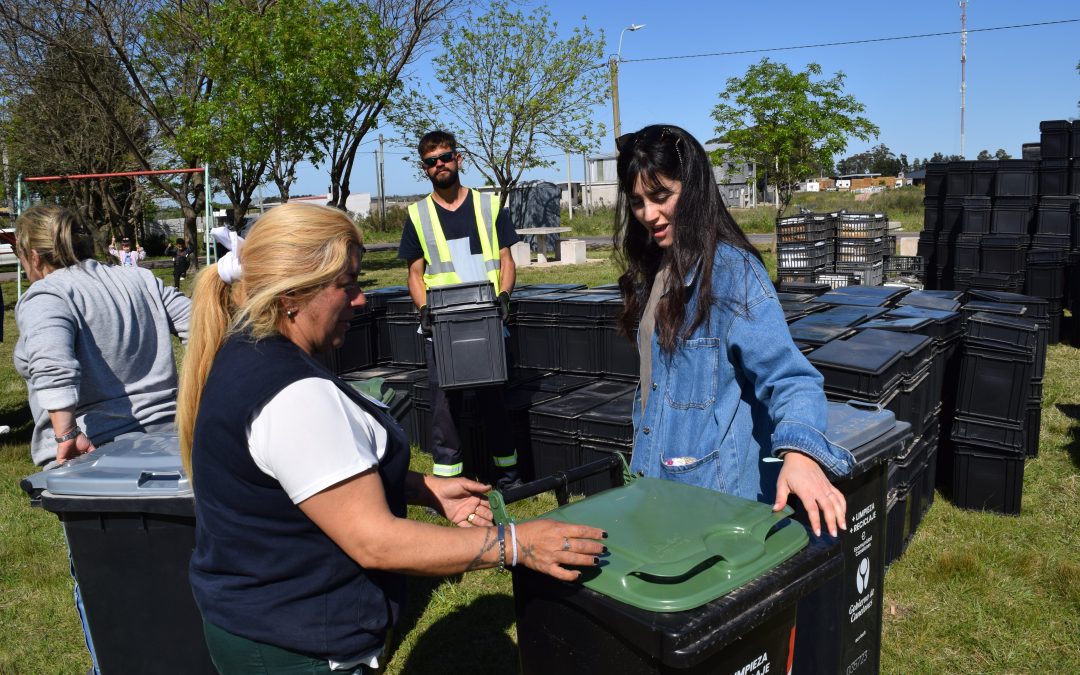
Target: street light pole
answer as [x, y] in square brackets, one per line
[614, 66]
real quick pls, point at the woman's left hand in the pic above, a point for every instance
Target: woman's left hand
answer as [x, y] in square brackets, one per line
[461, 501]
[803, 477]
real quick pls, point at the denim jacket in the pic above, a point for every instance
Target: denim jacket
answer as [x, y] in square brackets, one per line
[734, 392]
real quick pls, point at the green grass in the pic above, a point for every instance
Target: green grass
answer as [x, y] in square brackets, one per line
[974, 592]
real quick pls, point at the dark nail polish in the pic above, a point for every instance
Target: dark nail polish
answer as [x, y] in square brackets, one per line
[604, 535]
[596, 561]
[603, 551]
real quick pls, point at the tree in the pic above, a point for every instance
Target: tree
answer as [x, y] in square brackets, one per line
[1001, 154]
[879, 159]
[60, 130]
[414, 24]
[512, 89]
[159, 68]
[984, 155]
[938, 157]
[789, 122]
[277, 68]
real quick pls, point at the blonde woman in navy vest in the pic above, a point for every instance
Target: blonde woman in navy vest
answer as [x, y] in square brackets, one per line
[301, 483]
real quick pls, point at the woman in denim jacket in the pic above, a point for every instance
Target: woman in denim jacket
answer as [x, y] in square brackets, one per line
[726, 400]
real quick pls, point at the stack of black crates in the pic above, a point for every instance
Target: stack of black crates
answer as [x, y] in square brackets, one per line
[876, 346]
[840, 249]
[1009, 225]
[571, 376]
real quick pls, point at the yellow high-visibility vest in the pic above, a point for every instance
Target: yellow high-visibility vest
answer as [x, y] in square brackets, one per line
[440, 268]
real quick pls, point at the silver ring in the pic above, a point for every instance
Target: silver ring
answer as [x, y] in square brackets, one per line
[472, 517]
[566, 543]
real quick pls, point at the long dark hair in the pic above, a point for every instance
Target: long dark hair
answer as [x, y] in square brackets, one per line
[701, 221]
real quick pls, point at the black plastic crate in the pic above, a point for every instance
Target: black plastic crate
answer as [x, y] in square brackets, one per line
[1003, 253]
[932, 213]
[885, 295]
[959, 178]
[1054, 177]
[929, 301]
[534, 344]
[811, 288]
[870, 273]
[804, 256]
[1055, 215]
[472, 294]
[611, 422]
[592, 450]
[844, 315]
[816, 334]
[837, 298]
[952, 214]
[935, 179]
[1012, 215]
[784, 276]
[917, 350]
[406, 342]
[357, 350]
[900, 266]
[1016, 178]
[469, 346]
[993, 383]
[985, 481]
[976, 215]
[1032, 427]
[542, 305]
[1002, 333]
[859, 251]
[579, 345]
[983, 173]
[861, 225]
[559, 416]
[794, 298]
[1036, 308]
[992, 435]
[965, 252]
[1055, 140]
[1031, 151]
[861, 370]
[619, 354]
[837, 279]
[1013, 283]
[589, 306]
[804, 228]
[1045, 281]
[946, 324]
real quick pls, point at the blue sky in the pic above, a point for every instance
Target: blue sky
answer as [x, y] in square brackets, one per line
[911, 88]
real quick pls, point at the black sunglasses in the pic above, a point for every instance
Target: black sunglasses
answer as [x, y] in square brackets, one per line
[445, 158]
[627, 142]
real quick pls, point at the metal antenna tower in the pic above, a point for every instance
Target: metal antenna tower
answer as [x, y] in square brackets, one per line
[963, 66]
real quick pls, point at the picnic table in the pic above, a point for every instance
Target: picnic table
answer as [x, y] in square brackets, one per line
[541, 234]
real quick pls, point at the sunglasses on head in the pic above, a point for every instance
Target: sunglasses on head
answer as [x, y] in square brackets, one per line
[626, 142]
[445, 158]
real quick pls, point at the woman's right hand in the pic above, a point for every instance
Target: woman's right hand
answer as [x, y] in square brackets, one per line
[80, 445]
[549, 546]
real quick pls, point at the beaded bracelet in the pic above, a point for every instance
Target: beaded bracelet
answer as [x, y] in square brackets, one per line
[502, 547]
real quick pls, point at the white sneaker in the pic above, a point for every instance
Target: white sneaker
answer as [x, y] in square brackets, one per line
[4, 429]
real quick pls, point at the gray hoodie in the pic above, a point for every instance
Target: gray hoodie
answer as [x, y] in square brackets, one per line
[98, 337]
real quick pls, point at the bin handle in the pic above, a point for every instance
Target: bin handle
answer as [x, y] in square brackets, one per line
[149, 477]
[717, 549]
[614, 463]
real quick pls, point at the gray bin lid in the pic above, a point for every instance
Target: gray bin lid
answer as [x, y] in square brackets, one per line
[855, 426]
[138, 469]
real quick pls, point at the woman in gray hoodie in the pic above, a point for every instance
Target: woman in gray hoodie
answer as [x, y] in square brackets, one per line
[95, 345]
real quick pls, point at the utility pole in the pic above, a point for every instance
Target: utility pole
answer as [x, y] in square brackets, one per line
[963, 68]
[378, 190]
[569, 189]
[382, 180]
[614, 66]
[586, 189]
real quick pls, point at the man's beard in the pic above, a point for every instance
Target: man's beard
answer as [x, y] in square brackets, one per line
[449, 180]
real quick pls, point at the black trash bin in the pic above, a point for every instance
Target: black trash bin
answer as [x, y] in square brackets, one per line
[839, 624]
[696, 582]
[129, 518]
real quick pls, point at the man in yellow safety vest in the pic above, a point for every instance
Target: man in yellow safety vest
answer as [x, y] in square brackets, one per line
[459, 235]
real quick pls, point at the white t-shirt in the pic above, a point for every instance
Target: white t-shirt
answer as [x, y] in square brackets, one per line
[311, 436]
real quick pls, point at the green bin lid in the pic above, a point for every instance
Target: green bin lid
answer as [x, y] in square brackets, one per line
[674, 547]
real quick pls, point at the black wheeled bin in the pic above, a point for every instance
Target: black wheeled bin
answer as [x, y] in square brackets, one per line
[129, 518]
[839, 624]
[696, 582]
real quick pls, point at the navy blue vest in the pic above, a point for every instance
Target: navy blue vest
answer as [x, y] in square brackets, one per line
[261, 569]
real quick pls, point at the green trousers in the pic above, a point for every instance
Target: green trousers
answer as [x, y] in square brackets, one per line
[235, 655]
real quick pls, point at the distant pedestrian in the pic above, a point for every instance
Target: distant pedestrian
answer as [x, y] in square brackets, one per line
[125, 255]
[181, 254]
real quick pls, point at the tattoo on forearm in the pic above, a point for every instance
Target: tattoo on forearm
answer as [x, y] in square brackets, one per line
[489, 543]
